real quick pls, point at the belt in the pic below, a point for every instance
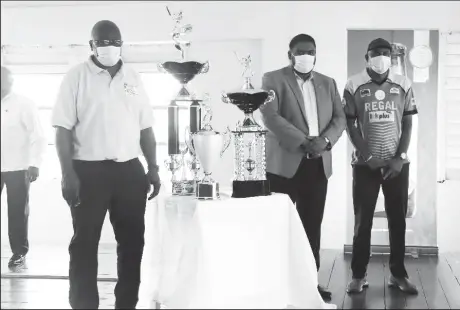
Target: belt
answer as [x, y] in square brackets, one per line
[311, 156]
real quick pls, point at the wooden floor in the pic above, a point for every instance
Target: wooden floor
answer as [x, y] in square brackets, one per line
[437, 278]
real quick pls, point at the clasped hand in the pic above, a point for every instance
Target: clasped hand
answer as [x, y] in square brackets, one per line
[314, 145]
[391, 168]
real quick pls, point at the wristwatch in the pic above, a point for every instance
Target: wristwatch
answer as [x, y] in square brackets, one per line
[329, 145]
[403, 156]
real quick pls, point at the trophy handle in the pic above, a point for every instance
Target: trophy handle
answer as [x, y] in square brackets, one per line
[271, 96]
[204, 68]
[225, 98]
[189, 141]
[161, 67]
[227, 139]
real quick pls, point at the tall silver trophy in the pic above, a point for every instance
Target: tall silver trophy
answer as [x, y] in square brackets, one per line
[209, 146]
[183, 71]
[249, 137]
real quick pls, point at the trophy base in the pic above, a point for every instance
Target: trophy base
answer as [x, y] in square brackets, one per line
[184, 188]
[207, 191]
[246, 189]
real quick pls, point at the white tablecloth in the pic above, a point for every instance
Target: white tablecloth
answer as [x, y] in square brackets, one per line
[232, 253]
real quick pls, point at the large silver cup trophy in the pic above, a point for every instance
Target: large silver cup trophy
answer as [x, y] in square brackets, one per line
[249, 137]
[209, 146]
[183, 71]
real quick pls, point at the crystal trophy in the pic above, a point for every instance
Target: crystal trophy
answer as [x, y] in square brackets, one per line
[209, 146]
[249, 137]
[183, 71]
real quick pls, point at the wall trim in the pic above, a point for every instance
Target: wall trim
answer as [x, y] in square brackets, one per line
[414, 251]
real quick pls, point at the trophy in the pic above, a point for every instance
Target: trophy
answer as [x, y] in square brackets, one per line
[183, 71]
[208, 145]
[398, 58]
[249, 137]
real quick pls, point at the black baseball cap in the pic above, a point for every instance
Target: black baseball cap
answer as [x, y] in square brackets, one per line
[378, 43]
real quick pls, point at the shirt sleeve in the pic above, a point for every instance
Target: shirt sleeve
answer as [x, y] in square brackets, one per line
[348, 102]
[65, 109]
[146, 119]
[37, 139]
[410, 106]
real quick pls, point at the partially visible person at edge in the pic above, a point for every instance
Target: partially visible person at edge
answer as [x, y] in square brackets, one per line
[23, 145]
[103, 120]
[304, 121]
[379, 106]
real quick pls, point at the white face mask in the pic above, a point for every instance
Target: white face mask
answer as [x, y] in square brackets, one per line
[380, 64]
[108, 55]
[304, 63]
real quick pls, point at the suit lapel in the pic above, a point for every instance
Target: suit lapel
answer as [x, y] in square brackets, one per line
[319, 94]
[292, 81]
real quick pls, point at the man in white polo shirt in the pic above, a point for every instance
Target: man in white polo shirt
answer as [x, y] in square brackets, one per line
[104, 120]
[23, 145]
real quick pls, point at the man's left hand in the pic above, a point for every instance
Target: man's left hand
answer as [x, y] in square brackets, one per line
[394, 168]
[154, 179]
[32, 174]
[318, 145]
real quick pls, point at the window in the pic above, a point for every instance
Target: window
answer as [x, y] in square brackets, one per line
[40, 88]
[161, 88]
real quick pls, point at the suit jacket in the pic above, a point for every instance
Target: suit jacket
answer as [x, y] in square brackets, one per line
[286, 122]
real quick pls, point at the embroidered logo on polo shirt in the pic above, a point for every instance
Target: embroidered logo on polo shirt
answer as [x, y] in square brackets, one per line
[130, 90]
[394, 90]
[365, 92]
[380, 94]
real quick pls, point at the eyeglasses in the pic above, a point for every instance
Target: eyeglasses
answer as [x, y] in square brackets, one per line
[100, 43]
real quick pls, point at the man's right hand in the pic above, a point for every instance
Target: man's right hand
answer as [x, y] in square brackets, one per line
[306, 146]
[70, 185]
[376, 163]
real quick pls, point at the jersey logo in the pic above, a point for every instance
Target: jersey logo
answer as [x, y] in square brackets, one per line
[382, 117]
[380, 94]
[365, 92]
[394, 90]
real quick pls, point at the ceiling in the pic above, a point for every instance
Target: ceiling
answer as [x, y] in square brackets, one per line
[19, 4]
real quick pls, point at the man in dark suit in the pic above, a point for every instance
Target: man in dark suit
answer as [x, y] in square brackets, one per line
[304, 121]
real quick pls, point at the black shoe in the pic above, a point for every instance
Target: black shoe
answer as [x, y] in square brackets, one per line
[325, 294]
[17, 261]
[403, 284]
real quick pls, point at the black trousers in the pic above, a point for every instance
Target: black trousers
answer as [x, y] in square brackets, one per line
[17, 191]
[366, 187]
[120, 188]
[308, 190]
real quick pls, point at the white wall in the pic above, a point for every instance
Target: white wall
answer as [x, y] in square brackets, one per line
[274, 23]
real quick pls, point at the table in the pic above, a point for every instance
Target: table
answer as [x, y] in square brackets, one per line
[231, 253]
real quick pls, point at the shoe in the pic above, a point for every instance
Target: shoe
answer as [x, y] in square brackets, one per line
[17, 261]
[403, 284]
[357, 285]
[325, 294]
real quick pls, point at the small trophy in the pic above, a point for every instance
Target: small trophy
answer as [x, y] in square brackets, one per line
[209, 145]
[249, 137]
[183, 71]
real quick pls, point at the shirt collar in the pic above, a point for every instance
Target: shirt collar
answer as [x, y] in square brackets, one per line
[312, 76]
[7, 97]
[95, 69]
